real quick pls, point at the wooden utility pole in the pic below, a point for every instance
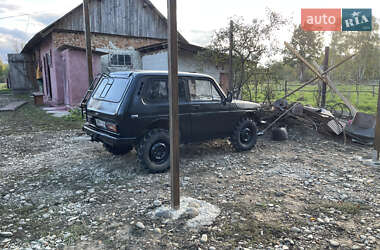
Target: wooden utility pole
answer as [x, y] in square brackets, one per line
[173, 102]
[230, 80]
[324, 84]
[87, 31]
[377, 128]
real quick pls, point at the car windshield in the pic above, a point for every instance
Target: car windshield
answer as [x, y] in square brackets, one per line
[111, 89]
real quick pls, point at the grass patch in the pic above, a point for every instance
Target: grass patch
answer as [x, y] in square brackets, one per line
[30, 118]
[364, 102]
[4, 89]
[76, 231]
[75, 115]
[251, 230]
[344, 207]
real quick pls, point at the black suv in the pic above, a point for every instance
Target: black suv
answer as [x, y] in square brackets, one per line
[130, 109]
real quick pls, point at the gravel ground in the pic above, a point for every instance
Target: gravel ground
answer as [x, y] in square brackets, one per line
[58, 190]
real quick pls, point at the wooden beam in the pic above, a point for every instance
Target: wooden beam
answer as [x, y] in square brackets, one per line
[315, 78]
[324, 84]
[337, 92]
[173, 103]
[325, 79]
[230, 80]
[304, 61]
[377, 128]
[87, 30]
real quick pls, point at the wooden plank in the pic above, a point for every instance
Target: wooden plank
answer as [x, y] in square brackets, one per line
[315, 78]
[230, 83]
[88, 41]
[338, 93]
[304, 61]
[325, 79]
[173, 102]
[13, 106]
[325, 66]
[377, 128]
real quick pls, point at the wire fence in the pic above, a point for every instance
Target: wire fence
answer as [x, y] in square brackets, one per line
[363, 96]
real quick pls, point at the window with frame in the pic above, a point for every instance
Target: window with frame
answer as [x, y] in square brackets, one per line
[203, 90]
[111, 89]
[156, 91]
[120, 60]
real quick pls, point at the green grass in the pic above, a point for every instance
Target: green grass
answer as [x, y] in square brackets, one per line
[4, 89]
[365, 102]
[75, 115]
[344, 207]
[30, 118]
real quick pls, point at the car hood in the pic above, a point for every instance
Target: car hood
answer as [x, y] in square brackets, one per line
[246, 105]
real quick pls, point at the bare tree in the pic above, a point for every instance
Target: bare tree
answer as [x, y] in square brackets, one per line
[252, 41]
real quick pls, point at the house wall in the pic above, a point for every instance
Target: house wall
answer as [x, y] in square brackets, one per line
[76, 81]
[112, 44]
[46, 48]
[187, 62]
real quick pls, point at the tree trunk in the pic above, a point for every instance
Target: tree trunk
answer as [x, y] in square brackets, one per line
[302, 70]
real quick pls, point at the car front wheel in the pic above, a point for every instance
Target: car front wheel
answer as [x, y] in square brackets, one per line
[154, 150]
[244, 136]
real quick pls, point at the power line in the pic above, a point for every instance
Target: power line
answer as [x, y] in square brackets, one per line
[14, 16]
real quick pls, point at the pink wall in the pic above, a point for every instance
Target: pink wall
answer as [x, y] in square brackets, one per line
[68, 74]
[76, 73]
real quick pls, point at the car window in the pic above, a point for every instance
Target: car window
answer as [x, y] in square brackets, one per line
[203, 90]
[111, 89]
[156, 91]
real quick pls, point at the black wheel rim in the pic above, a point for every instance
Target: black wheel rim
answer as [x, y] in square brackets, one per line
[246, 135]
[159, 152]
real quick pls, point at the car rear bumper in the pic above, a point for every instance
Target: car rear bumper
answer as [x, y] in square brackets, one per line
[111, 140]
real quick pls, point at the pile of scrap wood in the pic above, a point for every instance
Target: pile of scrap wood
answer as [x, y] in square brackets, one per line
[361, 128]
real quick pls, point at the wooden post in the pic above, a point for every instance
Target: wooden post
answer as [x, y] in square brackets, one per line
[230, 80]
[286, 87]
[173, 102]
[87, 31]
[377, 128]
[324, 84]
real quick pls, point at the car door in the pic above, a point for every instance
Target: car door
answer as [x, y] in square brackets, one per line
[210, 116]
[156, 104]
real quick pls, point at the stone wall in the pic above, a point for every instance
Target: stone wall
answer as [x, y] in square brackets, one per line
[111, 44]
[101, 41]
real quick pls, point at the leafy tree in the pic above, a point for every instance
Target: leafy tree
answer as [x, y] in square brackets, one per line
[3, 72]
[252, 42]
[308, 44]
[367, 47]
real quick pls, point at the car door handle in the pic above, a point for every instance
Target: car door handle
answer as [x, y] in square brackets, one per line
[196, 106]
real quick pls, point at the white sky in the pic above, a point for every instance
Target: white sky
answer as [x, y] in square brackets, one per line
[197, 19]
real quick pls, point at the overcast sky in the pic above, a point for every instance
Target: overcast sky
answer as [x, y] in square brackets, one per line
[197, 19]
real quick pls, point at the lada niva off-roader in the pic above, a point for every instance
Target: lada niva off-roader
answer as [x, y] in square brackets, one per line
[129, 110]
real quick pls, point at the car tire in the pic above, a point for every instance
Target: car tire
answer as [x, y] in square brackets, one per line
[118, 150]
[244, 136]
[154, 151]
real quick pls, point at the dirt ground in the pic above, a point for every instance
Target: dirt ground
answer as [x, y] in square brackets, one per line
[59, 190]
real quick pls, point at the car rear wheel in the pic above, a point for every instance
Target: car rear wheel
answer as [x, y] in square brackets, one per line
[118, 150]
[154, 150]
[244, 136]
